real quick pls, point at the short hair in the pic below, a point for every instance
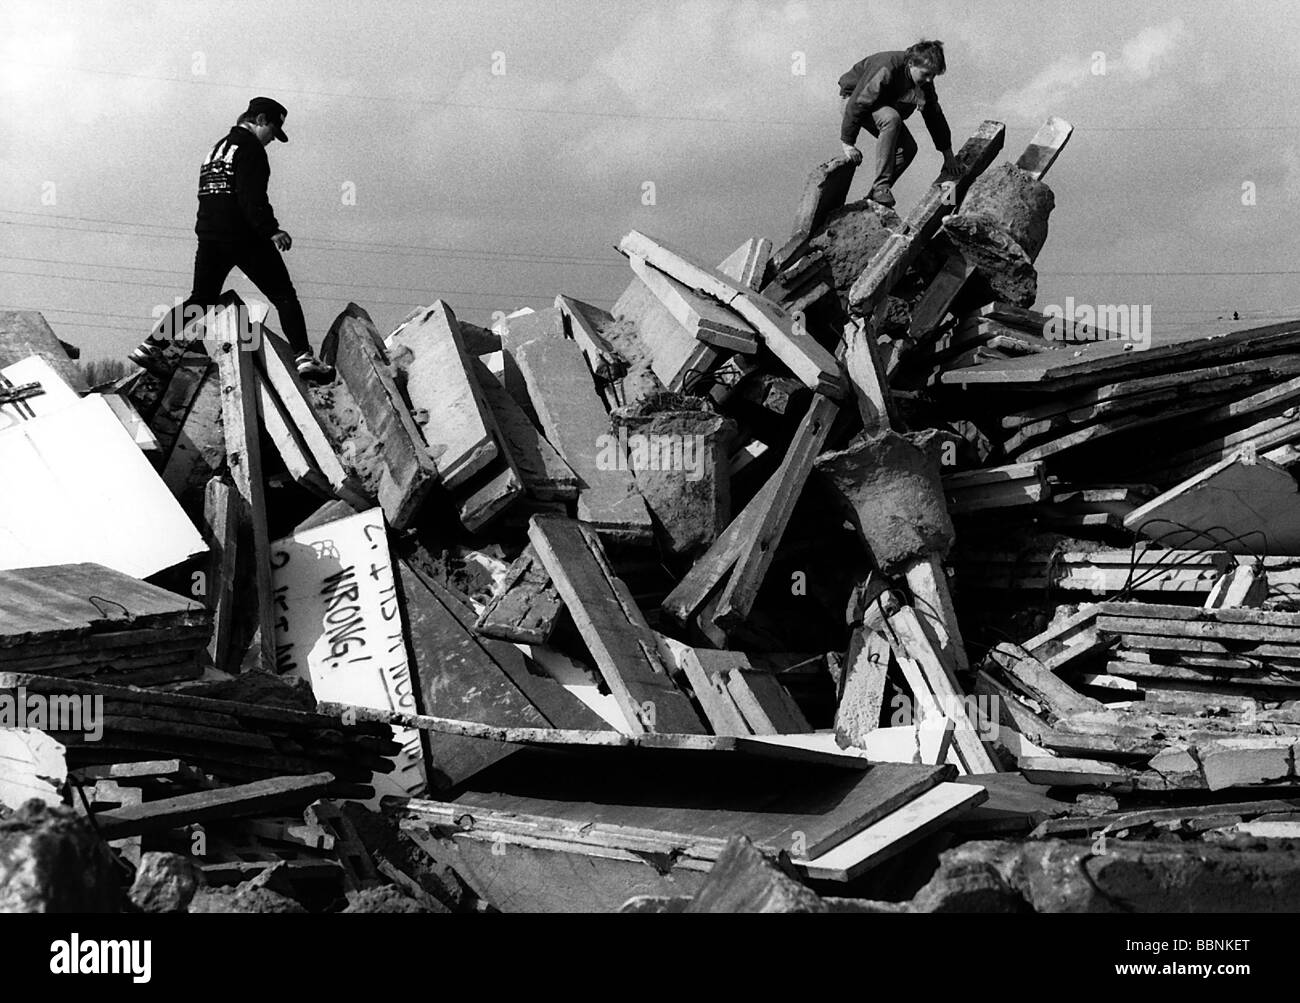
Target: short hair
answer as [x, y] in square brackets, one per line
[928, 54]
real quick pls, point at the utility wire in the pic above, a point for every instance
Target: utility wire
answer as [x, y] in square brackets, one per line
[589, 113]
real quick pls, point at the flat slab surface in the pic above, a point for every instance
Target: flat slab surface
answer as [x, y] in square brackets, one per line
[50, 603]
[77, 488]
[778, 806]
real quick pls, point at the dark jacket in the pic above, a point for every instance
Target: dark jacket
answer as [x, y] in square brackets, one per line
[883, 79]
[232, 190]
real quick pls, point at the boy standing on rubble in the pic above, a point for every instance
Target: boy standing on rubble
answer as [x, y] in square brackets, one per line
[878, 94]
[237, 228]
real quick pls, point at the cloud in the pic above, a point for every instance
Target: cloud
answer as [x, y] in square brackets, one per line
[1141, 58]
[700, 60]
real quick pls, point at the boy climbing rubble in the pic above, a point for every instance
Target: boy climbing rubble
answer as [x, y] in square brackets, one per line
[878, 95]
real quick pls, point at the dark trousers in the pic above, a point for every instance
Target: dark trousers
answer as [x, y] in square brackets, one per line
[895, 147]
[262, 263]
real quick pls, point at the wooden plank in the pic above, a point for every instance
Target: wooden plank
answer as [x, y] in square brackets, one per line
[797, 350]
[240, 413]
[221, 518]
[260, 797]
[573, 419]
[1128, 394]
[585, 324]
[298, 462]
[430, 350]
[1060, 771]
[177, 398]
[909, 641]
[409, 474]
[1272, 438]
[938, 297]
[1045, 147]
[709, 684]
[665, 747]
[276, 366]
[541, 469]
[712, 568]
[928, 583]
[457, 678]
[676, 356]
[199, 452]
[893, 259]
[702, 318]
[1280, 396]
[759, 550]
[1130, 629]
[615, 631]
[1099, 363]
[767, 707]
[1161, 611]
[1030, 675]
[894, 833]
[1075, 637]
[1111, 427]
[780, 807]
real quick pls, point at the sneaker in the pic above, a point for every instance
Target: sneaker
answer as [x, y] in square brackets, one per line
[150, 357]
[883, 195]
[311, 368]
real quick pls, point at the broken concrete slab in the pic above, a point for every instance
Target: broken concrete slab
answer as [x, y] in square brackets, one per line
[677, 357]
[614, 629]
[1001, 227]
[541, 469]
[429, 351]
[679, 458]
[1242, 504]
[24, 333]
[408, 473]
[561, 389]
[78, 489]
[702, 318]
[892, 488]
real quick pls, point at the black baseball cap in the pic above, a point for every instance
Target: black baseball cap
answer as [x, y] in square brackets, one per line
[273, 110]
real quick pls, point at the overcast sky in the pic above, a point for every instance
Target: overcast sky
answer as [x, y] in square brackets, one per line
[416, 172]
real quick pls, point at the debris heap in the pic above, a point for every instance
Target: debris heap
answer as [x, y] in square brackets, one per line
[813, 558]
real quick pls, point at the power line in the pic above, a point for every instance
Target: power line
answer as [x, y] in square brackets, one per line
[511, 296]
[594, 113]
[320, 243]
[328, 283]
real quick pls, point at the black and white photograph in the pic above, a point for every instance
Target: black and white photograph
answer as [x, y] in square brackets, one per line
[553, 459]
